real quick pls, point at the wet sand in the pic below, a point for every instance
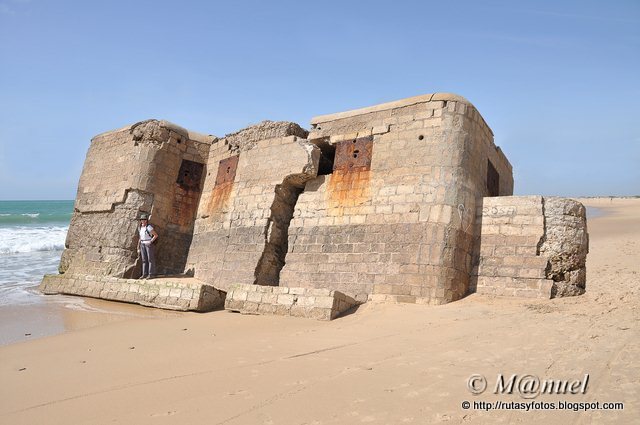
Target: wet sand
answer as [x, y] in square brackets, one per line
[383, 364]
[52, 315]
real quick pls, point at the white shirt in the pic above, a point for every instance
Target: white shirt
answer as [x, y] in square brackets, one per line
[145, 237]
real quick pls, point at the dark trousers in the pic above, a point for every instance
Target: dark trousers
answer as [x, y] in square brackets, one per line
[148, 260]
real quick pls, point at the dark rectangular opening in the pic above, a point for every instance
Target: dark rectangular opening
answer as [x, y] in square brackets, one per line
[493, 180]
[327, 156]
[190, 175]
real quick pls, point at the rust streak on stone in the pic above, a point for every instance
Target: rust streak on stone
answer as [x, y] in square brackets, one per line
[220, 197]
[350, 183]
[224, 183]
[185, 205]
[349, 189]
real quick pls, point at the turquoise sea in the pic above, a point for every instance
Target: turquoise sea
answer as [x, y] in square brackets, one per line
[32, 237]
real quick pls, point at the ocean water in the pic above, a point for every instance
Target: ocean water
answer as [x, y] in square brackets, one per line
[32, 236]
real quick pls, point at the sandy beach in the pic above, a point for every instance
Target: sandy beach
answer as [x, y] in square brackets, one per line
[382, 364]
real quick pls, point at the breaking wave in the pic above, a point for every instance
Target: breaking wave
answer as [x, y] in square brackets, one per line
[20, 239]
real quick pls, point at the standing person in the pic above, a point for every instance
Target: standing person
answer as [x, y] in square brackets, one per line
[147, 237]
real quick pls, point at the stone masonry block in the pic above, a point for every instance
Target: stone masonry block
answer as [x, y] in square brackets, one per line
[254, 296]
[286, 299]
[324, 302]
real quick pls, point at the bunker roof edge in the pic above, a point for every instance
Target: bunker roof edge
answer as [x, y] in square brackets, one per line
[390, 105]
[191, 135]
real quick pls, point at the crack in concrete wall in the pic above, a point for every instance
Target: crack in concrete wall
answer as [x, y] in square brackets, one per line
[120, 202]
[543, 238]
[276, 234]
[276, 231]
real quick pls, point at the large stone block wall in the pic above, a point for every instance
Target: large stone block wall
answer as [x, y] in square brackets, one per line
[127, 171]
[240, 232]
[401, 229]
[531, 246]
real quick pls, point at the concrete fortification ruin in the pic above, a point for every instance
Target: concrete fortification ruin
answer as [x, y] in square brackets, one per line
[407, 201]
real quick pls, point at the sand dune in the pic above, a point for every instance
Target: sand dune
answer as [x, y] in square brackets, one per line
[383, 364]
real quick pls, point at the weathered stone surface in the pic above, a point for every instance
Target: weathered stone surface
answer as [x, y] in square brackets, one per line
[139, 168]
[377, 203]
[320, 304]
[247, 138]
[531, 246]
[150, 131]
[241, 230]
[177, 293]
[399, 227]
[565, 245]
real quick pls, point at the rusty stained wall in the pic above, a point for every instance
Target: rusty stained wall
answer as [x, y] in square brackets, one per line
[223, 186]
[144, 162]
[394, 230]
[187, 194]
[349, 184]
[178, 231]
[240, 212]
[176, 177]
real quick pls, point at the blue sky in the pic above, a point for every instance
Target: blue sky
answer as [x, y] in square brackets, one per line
[557, 81]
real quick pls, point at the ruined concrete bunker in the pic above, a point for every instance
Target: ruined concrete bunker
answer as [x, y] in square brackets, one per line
[407, 201]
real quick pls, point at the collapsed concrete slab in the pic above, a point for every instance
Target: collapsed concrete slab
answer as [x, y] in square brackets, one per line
[320, 304]
[171, 293]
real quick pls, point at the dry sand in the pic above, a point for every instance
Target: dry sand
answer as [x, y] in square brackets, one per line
[384, 364]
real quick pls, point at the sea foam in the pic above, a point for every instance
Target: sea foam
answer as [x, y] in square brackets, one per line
[20, 239]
